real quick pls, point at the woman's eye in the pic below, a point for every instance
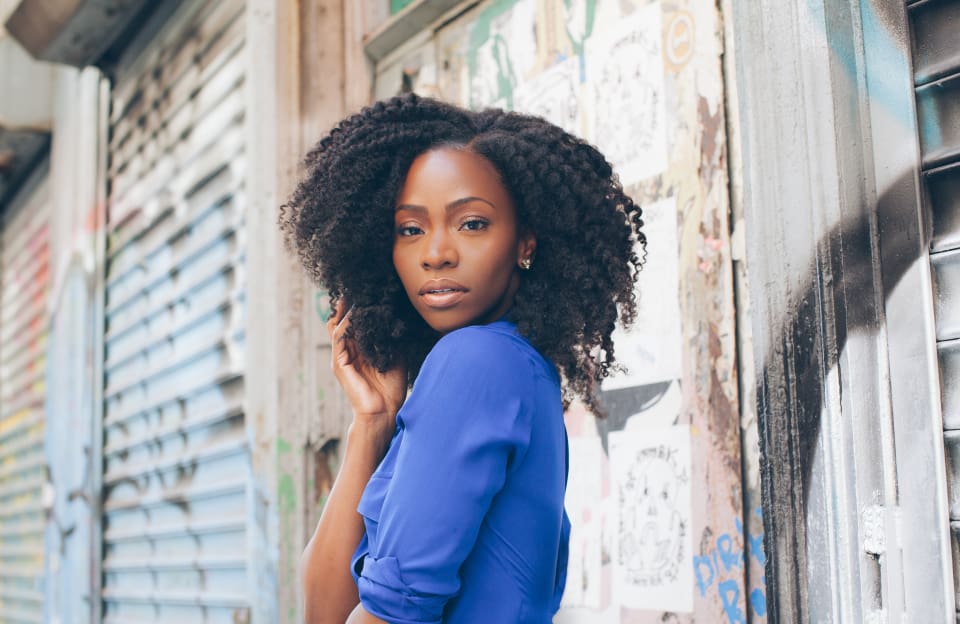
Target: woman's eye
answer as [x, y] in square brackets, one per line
[408, 230]
[474, 225]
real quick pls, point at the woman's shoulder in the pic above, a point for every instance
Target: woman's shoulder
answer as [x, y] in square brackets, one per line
[496, 348]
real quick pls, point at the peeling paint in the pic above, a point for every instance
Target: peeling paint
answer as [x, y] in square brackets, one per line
[321, 304]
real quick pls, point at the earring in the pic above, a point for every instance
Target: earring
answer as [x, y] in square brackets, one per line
[526, 263]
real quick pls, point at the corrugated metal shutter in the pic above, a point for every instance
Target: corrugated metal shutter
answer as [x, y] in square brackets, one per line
[24, 289]
[176, 458]
[936, 57]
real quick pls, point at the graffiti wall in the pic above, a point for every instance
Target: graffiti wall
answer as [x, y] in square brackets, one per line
[840, 285]
[72, 443]
[655, 492]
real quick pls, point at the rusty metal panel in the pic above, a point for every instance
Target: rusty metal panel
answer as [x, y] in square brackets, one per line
[176, 458]
[938, 110]
[295, 412]
[843, 324]
[955, 549]
[952, 442]
[935, 31]
[946, 283]
[943, 198]
[24, 290]
[910, 285]
[949, 358]
[936, 40]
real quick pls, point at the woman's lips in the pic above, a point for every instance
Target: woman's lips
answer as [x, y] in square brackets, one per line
[442, 293]
[442, 299]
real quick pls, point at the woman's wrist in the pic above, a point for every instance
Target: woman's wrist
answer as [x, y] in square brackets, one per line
[372, 431]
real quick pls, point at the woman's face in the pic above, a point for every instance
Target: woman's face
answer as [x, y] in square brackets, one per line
[457, 242]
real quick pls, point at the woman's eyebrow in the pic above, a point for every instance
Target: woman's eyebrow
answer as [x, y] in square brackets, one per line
[452, 205]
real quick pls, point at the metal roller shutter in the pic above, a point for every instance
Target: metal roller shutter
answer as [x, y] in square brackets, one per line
[24, 289]
[176, 458]
[935, 26]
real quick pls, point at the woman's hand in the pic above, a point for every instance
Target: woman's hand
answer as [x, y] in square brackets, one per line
[329, 589]
[372, 394]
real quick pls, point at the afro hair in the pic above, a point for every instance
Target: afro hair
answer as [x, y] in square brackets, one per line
[339, 221]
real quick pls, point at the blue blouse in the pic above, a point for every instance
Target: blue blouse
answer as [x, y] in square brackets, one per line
[464, 516]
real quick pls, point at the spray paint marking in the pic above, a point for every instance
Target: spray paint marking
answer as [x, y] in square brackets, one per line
[287, 503]
[723, 559]
[758, 596]
[322, 305]
[678, 39]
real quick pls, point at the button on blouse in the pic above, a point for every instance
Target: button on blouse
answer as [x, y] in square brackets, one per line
[464, 516]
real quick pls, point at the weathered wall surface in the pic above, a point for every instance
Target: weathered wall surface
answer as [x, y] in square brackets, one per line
[300, 56]
[643, 82]
[640, 79]
[47, 417]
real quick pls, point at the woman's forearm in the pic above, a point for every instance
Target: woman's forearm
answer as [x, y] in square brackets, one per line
[360, 616]
[329, 588]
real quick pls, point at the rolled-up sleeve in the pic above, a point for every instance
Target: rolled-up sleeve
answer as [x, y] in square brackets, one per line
[465, 424]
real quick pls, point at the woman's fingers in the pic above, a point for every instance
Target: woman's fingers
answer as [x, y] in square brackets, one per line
[344, 322]
[343, 349]
[338, 323]
[335, 317]
[340, 329]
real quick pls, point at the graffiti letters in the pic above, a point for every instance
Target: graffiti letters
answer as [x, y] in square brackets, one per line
[720, 569]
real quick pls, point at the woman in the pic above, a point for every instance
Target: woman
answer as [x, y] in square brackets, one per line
[485, 258]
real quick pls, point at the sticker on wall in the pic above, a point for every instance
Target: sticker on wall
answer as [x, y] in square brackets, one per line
[579, 17]
[626, 95]
[652, 349]
[554, 95]
[583, 504]
[652, 546]
[662, 410]
[501, 52]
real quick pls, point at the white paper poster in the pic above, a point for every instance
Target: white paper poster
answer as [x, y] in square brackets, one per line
[652, 549]
[625, 71]
[651, 350]
[553, 94]
[584, 504]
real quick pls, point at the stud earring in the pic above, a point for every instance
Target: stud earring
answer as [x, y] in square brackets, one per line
[526, 263]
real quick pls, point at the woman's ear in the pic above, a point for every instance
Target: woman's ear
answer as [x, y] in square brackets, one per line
[527, 248]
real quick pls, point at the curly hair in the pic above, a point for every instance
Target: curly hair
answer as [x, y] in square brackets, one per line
[339, 221]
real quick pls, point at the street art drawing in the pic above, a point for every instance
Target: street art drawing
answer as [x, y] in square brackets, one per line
[651, 350]
[650, 471]
[502, 50]
[554, 95]
[625, 70]
[579, 17]
[583, 503]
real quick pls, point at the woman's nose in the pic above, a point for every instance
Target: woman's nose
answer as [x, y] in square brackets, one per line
[438, 251]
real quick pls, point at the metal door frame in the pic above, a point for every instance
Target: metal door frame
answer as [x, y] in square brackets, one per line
[848, 396]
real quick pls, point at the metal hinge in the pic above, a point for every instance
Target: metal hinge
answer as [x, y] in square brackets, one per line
[881, 530]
